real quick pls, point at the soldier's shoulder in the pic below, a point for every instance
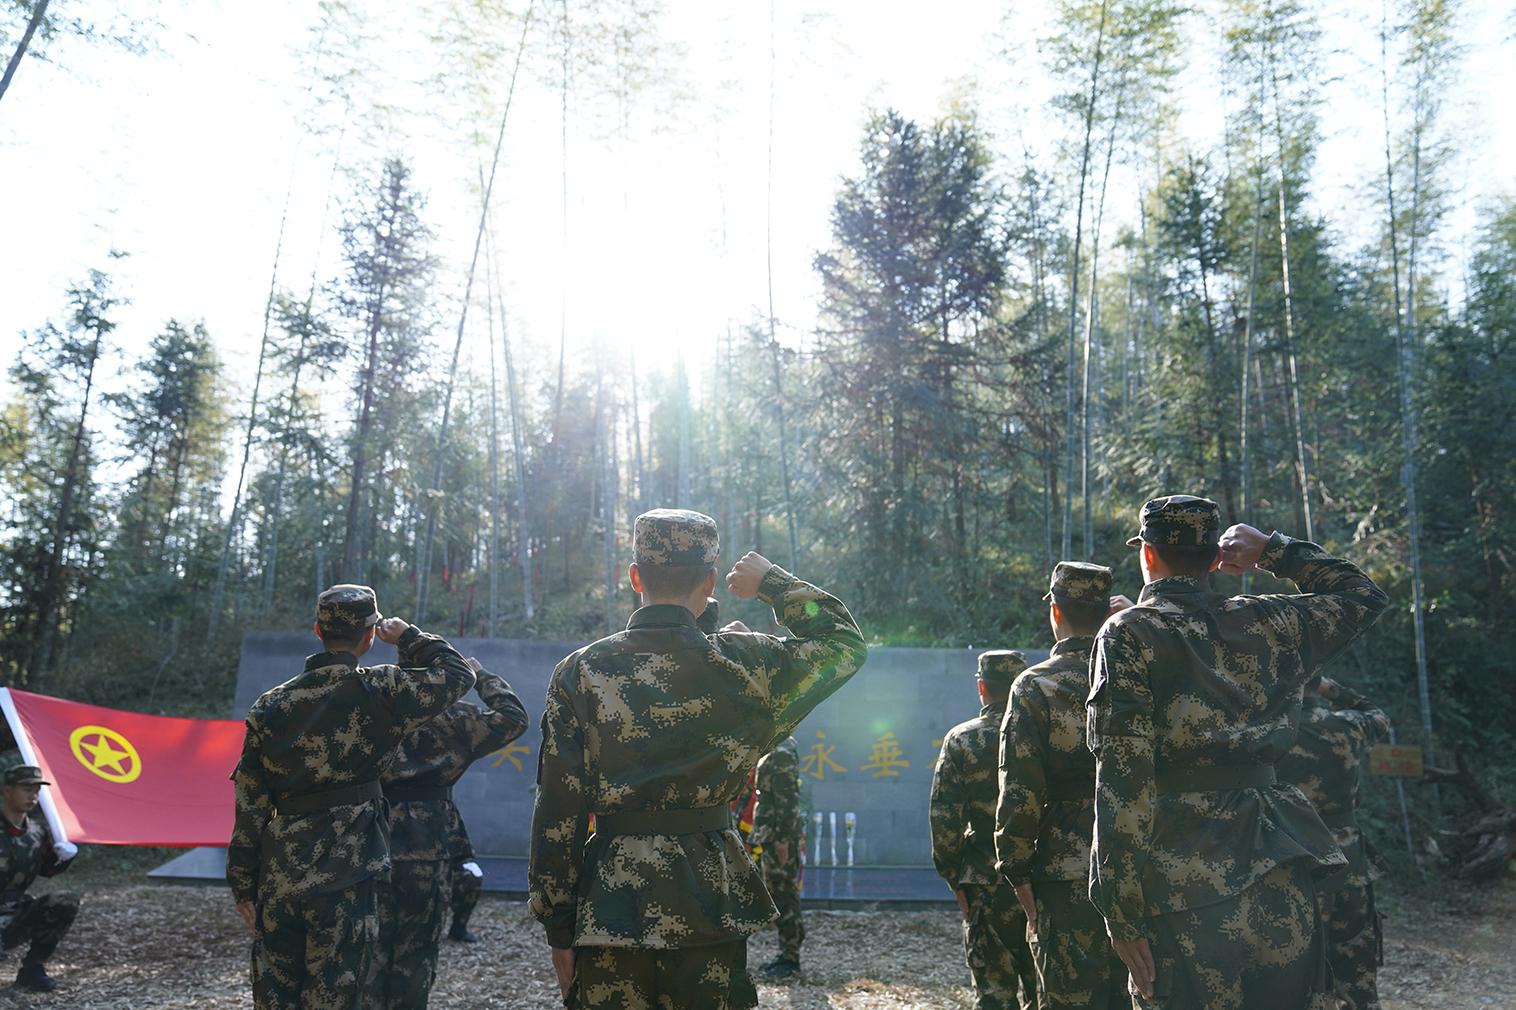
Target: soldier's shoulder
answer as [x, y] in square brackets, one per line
[968, 733]
[1146, 615]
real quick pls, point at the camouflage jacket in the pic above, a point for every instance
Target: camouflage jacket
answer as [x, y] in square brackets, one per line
[778, 816]
[1191, 679]
[26, 853]
[1046, 814]
[460, 848]
[434, 756]
[332, 726]
[663, 717]
[964, 790]
[1326, 761]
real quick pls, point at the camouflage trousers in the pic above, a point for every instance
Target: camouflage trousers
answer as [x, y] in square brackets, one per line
[44, 921]
[783, 883]
[466, 891]
[1258, 950]
[1352, 930]
[682, 978]
[412, 909]
[315, 951]
[1076, 967]
[995, 947]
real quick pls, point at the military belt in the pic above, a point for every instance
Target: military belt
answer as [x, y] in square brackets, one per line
[664, 822]
[325, 799]
[417, 794]
[1214, 778]
[1070, 788]
[1339, 819]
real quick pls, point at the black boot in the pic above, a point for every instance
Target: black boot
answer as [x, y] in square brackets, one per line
[460, 933]
[779, 968]
[34, 977]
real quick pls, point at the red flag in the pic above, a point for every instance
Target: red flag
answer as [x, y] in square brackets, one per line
[120, 778]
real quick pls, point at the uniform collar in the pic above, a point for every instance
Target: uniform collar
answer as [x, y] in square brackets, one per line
[662, 615]
[996, 709]
[1074, 643]
[1173, 585]
[322, 660]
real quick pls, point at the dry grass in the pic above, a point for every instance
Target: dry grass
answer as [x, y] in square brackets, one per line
[149, 946]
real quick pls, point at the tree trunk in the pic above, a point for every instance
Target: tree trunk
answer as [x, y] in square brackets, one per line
[213, 619]
[518, 462]
[52, 583]
[1302, 472]
[434, 500]
[1406, 340]
[1084, 171]
[493, 627]
[768, 238]
[32, 24]
[1089, 331]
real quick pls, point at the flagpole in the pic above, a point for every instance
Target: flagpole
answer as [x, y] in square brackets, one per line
[65, 848]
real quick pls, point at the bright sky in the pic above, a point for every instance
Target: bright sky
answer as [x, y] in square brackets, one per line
[183, 159]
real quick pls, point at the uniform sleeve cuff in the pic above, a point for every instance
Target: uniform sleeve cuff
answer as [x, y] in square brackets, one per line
[1123, 932]
[771, 588]
[1273, 557]
[560, 937]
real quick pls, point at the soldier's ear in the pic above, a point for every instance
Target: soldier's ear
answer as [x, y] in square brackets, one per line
[635, 577]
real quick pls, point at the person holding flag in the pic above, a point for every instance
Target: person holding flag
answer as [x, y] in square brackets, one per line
[27, 851]
[311, 835]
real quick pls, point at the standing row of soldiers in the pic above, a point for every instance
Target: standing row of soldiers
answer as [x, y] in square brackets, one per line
[343, 851]
[1160, 815]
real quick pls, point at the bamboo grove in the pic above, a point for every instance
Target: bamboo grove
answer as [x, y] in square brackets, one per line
[998, 377]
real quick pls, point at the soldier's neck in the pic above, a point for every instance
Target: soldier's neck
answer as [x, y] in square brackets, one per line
[17, 818]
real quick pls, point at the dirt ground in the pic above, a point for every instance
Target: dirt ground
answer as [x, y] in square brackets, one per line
[162, 946]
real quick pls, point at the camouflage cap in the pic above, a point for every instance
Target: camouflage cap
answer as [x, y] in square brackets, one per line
[25, 775]
[1179, 520]
[347, 608]
[1079, 582]
[665, 538]
[1001, 666]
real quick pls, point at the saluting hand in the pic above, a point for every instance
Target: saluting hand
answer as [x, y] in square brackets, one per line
[1241, 547]
[1119, 603]
[474, 664]
[747, 573]
[391, 628]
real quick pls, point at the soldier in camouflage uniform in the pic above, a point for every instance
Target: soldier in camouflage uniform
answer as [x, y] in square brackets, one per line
[468, 878]
[1046, 814]
[654, 730]
[418, 785]
[1203, 866]
[1337, 728]
[311, 834]
[964, 791]
[27, 852]
[779, 829]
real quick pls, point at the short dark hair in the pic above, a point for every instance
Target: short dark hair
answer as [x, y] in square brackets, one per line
[338, 639]
[673, 580]
[996, 691]
[1082, 616]
[1190, 562]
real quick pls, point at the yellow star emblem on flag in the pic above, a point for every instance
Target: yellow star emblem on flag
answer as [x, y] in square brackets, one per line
[106, 753]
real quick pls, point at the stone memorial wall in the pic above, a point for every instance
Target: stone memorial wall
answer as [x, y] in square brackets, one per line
[868, 751]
